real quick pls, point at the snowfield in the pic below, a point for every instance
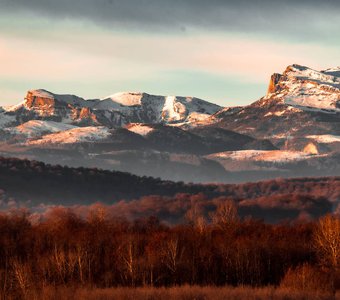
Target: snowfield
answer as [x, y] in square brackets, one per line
[35, 128]
[325, 138]
[124, 98]
[75, 135]
[278, 156]
[309, 89]
[169, 109]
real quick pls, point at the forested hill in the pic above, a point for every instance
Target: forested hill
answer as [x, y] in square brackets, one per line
[37, 182]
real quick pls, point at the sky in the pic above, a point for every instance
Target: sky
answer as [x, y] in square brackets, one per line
[218, 50]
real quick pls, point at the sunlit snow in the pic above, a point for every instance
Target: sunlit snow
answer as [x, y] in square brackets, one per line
[75, 135]
[140, 129]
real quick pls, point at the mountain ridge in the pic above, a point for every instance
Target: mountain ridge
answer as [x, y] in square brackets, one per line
[294, 128]
[116, 110]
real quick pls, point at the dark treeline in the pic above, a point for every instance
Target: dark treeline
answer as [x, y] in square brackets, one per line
[35, 182]
[99, 251]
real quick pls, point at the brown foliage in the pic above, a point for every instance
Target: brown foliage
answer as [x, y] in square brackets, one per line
[307, 278]
[65, 250]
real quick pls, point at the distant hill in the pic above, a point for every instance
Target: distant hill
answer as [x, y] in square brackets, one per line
[32, 184]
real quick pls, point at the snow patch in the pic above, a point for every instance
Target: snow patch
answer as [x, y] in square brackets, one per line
[36, 128]
[75, 135]
[13, 108]
[325, 138]
[278, 156]
[198, 117]
[276, 113]
[140, 129]
[125, 98]
[173, 110]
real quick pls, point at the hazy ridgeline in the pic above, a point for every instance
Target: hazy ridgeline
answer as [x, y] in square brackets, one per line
[39, 186]
[67, 252]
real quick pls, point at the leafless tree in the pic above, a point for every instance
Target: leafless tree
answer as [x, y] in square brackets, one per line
[225, 214]
[327, 242]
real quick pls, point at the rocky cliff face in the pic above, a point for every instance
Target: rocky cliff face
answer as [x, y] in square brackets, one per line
[274, 83]
[36, 101]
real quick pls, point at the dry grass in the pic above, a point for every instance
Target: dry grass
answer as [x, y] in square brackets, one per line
[181, 293]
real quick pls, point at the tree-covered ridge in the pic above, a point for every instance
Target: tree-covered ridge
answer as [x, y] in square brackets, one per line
[30, 183]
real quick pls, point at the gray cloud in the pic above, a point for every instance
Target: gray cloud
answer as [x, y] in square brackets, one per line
[312, 19]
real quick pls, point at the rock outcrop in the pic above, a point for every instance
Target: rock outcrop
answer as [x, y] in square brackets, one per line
[273, 83]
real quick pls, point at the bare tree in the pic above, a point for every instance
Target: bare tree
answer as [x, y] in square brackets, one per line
[127, 254]
[172, 253]
[195, 216]
[225, 214]
[327, 242]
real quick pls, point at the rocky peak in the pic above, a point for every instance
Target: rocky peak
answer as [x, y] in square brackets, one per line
[295, 68]
[273, 83]
[42, 99]
[305, 88]
[39, 98]
[276, 80]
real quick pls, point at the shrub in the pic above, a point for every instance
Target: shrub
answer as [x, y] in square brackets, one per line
[306, 278]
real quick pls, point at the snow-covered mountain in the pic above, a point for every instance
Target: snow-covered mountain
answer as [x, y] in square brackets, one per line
[293, 130]
[300, 103]
[113, 111]
[307, 89]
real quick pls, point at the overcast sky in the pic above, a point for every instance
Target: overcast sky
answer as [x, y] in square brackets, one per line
[221, 51]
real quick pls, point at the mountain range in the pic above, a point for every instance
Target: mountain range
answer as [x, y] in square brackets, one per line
[294, 130]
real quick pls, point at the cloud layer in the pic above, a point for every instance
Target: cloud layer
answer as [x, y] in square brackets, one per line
[295, 19]
[219, 50]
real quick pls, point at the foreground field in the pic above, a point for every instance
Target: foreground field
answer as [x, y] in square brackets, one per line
[182, 293]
